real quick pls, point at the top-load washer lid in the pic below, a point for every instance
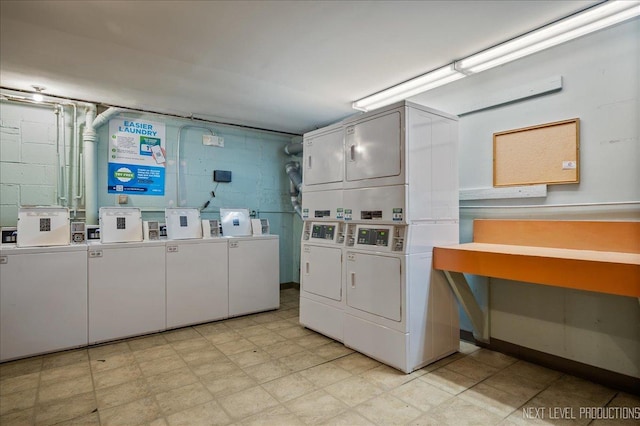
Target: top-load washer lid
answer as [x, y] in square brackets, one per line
[120, 224]
[183, 224]
[43, 226]
[235, 222]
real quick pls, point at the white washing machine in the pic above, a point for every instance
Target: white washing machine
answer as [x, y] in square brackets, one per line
[43, 299]
[396, 310]
[254, 274]
[127, 294]
[322, 293]
[197, 281]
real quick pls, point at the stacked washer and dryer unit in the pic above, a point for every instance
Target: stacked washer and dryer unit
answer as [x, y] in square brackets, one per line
[379, 191]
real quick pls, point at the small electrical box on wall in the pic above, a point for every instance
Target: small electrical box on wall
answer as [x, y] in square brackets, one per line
[222, 176]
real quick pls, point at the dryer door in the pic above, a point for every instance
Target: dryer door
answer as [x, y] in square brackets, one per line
[374, 284]
[321, 271]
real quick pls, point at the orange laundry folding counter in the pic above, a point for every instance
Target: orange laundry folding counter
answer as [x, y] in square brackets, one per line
[584, 255]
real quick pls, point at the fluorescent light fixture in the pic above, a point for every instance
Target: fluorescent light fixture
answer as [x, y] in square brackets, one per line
[594, 19]
[430, 80]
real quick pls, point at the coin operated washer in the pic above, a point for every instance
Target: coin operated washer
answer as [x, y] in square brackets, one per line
[127, 294]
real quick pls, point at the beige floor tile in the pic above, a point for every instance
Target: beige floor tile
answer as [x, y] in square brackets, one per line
[122, 394]
[62, 359]
[180, 399]
[421, 395]
[103, 351]
[203, 356]
[289, 313]
[19, 383]
[112, 361]
[88, 420]
[596, 394]
[147, 342]
[241, 322]
[267, 371]
[279, 416]
[312, 341]
[20, 368]
[222, 336]
[493, 400]
[289, 387]
[332, 350]
[534, 373]
[161, 365]
[325, 374]
[116, 376]
[514, 384]
[207, 414]
[492, 358]
[66, 409]
[170, 380]
[388, 410]
[266, 318]
[247, 402]
[213, 368]
[62, 389]
[154, 353]
[448, 381]
[190, 345]
[387, 377]
[442, 362]
[134, 413]
[234, 381]
[293, 332]
[348, 418]
[211, 328]
[282, 349]
[353, 390]
[301, 360]
[266, 339]
[316, 407]
[158, 422]
[17, 401]
[18, 418]
[469, 367]
[235, 346]
[251, 331]
[65, 373]
[356, 363]
[278, 325]
[467, 347]
[457, 412]
[249, 358]
[181, 334]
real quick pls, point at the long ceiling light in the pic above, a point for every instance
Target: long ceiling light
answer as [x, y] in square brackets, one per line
[596, 18]
[427, 81]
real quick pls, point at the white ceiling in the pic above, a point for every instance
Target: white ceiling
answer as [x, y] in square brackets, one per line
[290, 66]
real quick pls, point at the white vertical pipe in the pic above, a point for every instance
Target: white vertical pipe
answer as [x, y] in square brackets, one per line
[89, 142]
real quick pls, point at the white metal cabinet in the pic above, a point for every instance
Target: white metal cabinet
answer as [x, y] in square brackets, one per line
[43, 300]
[321, 271]
[374, 284]
[126, 289]
[254, 277]
[323, 158]
[197, 281]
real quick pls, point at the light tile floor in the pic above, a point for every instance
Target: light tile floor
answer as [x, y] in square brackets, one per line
[266, 369]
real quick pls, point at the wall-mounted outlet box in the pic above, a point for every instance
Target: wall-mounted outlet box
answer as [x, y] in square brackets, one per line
[211, 140]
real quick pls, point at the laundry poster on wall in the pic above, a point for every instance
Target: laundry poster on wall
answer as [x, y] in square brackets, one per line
[137, 157]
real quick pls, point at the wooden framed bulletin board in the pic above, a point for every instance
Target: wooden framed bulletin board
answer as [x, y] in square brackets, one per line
[547, 153]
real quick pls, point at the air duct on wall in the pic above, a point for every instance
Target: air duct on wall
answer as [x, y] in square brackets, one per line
[292, 169]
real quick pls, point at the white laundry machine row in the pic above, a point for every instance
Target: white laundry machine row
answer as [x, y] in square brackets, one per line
[43, 299]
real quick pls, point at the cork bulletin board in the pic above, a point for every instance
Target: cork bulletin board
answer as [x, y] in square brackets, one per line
[547, 153]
